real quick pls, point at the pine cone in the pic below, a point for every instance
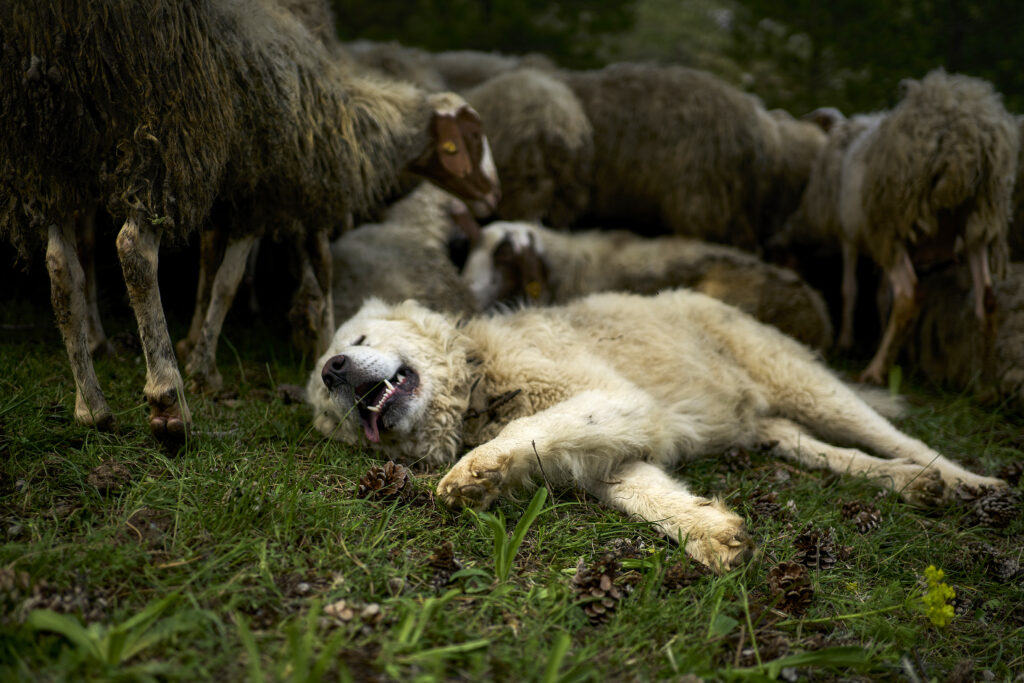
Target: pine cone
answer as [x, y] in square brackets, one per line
[764, 504]
[444, 563]
[989, 506]
[1003, 568]
[737, 459]
[595, 588]
[1011, 473]
[682, 575]
[791, 587]
[864, 516]
[386, 483]
[817, 548]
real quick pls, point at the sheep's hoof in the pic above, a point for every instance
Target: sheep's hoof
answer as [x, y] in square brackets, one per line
[872, 375]
[205, 383]
[170, 430]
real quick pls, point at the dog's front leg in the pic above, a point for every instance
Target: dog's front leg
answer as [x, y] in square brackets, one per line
[711, 533]
[587, 436]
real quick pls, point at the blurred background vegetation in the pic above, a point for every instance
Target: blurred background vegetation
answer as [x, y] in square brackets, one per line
[798, 54]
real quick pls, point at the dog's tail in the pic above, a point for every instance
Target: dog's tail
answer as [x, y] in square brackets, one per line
[886, 404]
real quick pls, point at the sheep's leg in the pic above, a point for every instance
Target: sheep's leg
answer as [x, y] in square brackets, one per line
[201, 367]
[312, 312]
[984, 294]
[904, 310]
[916, 483]
[594, 439]
[849, 295]
[323, 266]
[250, 279]
[711, 533]
[98, 342]
[71, 310]
[138, 246]
[211, 253]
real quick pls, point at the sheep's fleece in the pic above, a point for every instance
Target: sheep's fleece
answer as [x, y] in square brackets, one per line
[647, 382]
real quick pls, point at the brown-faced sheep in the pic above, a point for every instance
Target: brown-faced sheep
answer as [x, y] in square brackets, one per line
[405, 256]
[158, 109]
[914, 187]
[946, 347]
[543, 145]
[527, 262]
[679, 150]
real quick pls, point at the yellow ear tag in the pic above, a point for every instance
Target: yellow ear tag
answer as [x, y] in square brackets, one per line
[449, 147]
[533, 289]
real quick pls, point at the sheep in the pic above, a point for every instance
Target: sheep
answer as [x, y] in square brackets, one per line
[405, 256]
[681, 151]
[913, 187]
[398, 62]
[527, 262]
[543, 145]
[1016, 236]
[157, 109]
[466, 69]
[945, 347]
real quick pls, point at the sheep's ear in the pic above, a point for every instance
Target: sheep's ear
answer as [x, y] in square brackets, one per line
[825, 117]
[451, 146]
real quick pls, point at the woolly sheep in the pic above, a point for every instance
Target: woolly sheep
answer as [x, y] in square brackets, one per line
[945, 346]
[465, 69]
[159, 108]
[678, 148]
[405, 256]
[399, 62]
[1016, 235]
[527, 262]
[542, 143]
[908, 186]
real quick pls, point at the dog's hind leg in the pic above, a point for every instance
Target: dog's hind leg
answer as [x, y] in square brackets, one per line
[711, 533]
[916, 483]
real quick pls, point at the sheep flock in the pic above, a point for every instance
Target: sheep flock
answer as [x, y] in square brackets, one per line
[213, 126]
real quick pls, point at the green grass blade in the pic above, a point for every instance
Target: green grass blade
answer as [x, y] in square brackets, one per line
[253, 653]
[558, 651]
[69, 627]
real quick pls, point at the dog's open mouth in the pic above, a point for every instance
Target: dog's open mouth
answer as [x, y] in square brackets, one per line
[377, 400]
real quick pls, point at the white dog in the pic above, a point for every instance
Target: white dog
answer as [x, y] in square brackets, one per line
[606, 393]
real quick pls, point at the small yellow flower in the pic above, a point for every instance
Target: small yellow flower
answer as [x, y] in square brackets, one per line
[936, 598]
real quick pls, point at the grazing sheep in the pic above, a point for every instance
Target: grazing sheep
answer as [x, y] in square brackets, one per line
[465, 69]
[945, 345]
[403, 257]
[914, 187]
[158, 109]
[543, 145]
[399, 62]
[679, 149]
[524, 262]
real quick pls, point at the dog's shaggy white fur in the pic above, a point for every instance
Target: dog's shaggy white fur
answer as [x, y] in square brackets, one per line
[606, 393]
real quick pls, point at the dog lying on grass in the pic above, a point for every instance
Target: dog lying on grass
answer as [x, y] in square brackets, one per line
[606, 393]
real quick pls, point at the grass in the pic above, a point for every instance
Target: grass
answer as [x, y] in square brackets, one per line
[247, 556]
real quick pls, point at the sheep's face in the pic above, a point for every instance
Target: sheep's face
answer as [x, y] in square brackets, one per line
[507, 265]
[459, 157]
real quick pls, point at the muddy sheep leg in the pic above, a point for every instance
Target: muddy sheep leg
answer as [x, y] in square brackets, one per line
[71, 310]
[138, 246]
[323, 266]
[849, 296]
[201, 368]
[86, 241]
[984, 295]
[211, 253]
[312, 312]
[904, 309]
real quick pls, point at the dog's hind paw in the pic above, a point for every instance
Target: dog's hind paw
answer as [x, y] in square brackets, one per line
[724, 551]
[474, 482]
[919, 486]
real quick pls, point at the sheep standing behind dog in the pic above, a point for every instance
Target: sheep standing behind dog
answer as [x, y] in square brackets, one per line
[524, 262]
[405, 256]
[910, 185]
[157, 109]
[678, 148]
[946, 347]
[465, 69]
[399, 62]
[543, 145]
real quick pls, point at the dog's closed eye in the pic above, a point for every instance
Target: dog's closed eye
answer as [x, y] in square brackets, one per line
[359, 341]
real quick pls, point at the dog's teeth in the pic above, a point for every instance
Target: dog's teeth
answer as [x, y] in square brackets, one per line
[373, 409]
[400, 378]
[388, 385]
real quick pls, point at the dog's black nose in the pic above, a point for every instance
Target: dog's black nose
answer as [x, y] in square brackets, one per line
[334, 371]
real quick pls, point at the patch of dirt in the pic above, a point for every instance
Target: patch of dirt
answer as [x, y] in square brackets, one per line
[148, 527]
[20, 594]
[109, 477]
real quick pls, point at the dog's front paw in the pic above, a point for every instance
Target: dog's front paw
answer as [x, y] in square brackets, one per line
[474, 482]
[723, 550]
[917, 485]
